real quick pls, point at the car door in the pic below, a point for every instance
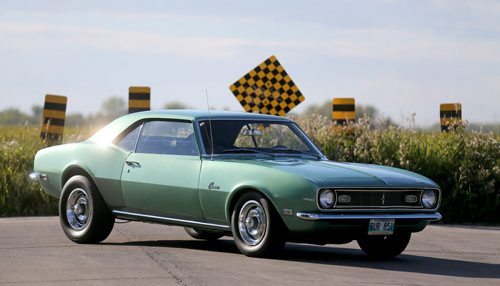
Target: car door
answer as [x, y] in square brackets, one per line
[161, 176]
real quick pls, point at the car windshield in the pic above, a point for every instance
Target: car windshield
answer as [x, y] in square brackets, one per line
[267, 138]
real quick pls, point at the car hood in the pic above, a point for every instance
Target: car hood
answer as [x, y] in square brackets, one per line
[334, 174]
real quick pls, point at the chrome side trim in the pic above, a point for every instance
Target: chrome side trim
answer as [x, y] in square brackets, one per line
[419, 216]
[169, 220]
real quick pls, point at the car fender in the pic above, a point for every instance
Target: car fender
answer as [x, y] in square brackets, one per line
[292, 194]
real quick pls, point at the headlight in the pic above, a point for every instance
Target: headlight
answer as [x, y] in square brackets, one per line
[429, 199]
[326, 199]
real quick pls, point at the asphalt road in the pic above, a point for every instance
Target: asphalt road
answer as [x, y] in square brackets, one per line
[34, 251]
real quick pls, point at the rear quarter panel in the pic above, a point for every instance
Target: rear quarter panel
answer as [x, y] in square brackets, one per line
[102, 162]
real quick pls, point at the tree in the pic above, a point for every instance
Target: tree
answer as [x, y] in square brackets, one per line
[324, 109]
[37, 112]
[113, 108]
[75, 119]
[13, 116]
[369, 111]
[175, 105]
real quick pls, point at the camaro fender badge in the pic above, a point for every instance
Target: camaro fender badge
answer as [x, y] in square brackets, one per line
[212, 186]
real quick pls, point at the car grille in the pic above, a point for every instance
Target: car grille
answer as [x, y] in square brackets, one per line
[366, 199]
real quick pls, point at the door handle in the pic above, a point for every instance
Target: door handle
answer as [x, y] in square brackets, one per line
[133, 164]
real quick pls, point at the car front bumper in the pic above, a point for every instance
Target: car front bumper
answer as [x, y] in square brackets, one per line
[36, 177]
[414, 216]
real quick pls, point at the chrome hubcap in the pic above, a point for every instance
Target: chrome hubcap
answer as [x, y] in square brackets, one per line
[78, 209]
[252, 223]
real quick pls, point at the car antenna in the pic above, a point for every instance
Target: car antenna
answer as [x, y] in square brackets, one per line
[210, 125]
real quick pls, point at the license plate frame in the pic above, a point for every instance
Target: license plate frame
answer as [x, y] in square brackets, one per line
[381, 226]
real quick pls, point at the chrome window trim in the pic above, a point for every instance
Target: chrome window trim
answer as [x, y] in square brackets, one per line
[279, 120]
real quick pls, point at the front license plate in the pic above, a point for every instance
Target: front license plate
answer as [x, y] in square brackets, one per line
[381, 227]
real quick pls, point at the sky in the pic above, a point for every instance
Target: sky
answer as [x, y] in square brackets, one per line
[403, 57]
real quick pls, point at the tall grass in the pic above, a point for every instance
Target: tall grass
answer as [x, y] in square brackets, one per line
[465, 164]
[18, 195]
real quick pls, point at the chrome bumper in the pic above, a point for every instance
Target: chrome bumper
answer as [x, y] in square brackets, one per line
[35, 176]
[420, 216]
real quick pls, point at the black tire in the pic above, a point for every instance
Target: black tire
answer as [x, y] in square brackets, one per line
[203, 234]
[89, 221]
[266, 242]
[384, 246]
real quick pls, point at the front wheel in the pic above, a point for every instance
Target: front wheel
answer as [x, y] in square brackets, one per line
[384, 246]
[257, 229]
[83, 214]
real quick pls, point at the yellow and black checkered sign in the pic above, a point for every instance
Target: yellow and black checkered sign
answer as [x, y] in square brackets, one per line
[139, 98]
[450, 115]
[343, 111]
[267, 89]
[53, 117]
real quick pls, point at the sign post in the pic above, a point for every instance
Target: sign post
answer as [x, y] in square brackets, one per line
[53, 117]
[450, 115]
[343, 111]
[139, 98]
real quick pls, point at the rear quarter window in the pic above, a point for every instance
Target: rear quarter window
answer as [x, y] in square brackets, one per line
[128, 141]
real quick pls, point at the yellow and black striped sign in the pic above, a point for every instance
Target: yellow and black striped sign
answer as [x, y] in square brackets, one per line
[53, 117]
[139, 98]
[343, 112]
[267, 89]
[450, 115]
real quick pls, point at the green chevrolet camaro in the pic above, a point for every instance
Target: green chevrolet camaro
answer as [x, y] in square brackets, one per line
[255, 177]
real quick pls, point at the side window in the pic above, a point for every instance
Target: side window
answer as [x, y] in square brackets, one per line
[129, 140]
[167, 137]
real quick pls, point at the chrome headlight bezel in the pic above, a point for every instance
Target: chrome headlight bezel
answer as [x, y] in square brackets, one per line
[326, 198]
[430, 199]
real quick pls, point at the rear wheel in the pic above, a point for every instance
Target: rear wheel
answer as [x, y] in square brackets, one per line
[203, 234]
[385, 246]
[83, 214]
[257, 229]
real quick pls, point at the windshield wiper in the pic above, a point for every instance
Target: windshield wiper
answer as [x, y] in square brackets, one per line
[246, 150]
[294, 151]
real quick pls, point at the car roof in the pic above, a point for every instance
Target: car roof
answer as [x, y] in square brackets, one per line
[192, 114]
[112, 130]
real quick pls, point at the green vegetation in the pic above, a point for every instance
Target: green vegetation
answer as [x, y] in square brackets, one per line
[465, 164]
[18, 195]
